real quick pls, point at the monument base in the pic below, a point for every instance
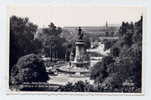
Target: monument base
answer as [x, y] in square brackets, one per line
[83, 64]
[74, 70]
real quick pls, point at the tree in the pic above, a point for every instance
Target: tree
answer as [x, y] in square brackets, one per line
[79, 86]
[53, 44]
[115, 51]
[99, 70]
[108, 43]
[87, 41]
[29, 69]
[125, 62]
[21, 38]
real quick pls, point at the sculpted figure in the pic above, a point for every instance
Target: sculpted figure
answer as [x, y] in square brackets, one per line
[80, 34]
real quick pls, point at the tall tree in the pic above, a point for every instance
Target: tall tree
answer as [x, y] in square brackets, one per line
[53, 44]
[21, 37]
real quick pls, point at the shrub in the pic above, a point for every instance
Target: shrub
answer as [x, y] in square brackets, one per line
[29, 68]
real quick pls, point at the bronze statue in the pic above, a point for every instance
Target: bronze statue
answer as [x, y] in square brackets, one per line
[80, 34]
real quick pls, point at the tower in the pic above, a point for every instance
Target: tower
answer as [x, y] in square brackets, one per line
[106, 29]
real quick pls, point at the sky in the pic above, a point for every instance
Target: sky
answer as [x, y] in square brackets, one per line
[64, 16]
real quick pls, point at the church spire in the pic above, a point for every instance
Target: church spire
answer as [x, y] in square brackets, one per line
[106, 29]
[106, 26]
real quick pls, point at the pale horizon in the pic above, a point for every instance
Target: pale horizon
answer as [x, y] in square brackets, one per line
[68, 16]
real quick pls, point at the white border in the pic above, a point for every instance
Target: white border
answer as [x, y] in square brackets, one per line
[75, 93]
[146, 47]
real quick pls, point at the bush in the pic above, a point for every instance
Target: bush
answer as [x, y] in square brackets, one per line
[79, 86]
[29, 68]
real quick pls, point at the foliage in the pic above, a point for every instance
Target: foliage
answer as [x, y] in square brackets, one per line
[79, 86]
[108, 44]
[29, 69]
[21, 38]
[54, 46]
[99, 70]
[124, 61]
[87, 41]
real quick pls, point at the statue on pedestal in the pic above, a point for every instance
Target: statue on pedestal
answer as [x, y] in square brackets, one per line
[79, 62]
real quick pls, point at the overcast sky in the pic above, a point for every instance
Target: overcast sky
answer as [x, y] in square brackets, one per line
[76, 15]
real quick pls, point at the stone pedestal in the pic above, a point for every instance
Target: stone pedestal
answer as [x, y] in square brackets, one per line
[81, 57]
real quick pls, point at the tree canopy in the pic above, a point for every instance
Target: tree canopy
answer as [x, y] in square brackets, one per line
[21, 38]
[124, 63]
[29, 68]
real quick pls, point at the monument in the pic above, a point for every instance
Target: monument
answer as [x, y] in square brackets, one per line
[81, 58]
[79, 64]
